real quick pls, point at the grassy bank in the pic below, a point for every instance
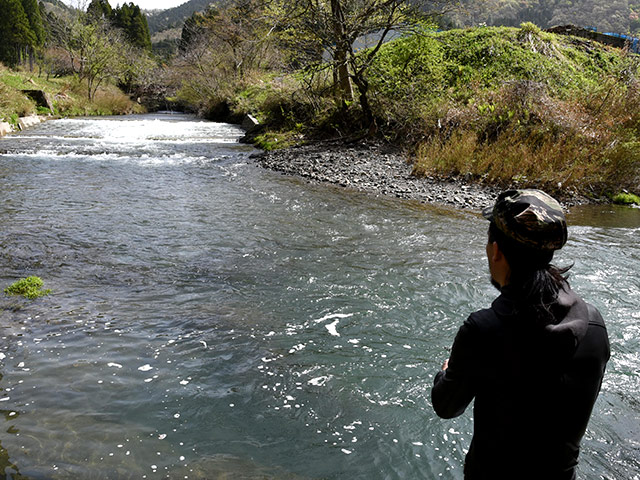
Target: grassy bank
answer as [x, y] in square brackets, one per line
[502, 106]
[67, 95]
[520, 107]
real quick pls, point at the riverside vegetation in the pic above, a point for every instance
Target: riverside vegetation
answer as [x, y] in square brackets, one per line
[81, 59]
[500, 106]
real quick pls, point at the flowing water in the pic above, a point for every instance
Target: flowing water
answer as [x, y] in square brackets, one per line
[210, 319]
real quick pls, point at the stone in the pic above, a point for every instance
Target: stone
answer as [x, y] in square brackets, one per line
[5, 128]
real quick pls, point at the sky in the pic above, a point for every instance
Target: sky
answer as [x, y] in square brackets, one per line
[144, 4]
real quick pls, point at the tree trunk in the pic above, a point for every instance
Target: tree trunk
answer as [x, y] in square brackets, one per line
[363, 88]
[341, 68]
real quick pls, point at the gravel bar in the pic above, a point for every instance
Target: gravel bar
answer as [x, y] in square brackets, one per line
[374, 168]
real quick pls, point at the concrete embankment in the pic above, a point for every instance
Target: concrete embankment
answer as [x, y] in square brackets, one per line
[30, 121]
[23, 123]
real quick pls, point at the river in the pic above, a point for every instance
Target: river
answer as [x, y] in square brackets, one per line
[212, 319]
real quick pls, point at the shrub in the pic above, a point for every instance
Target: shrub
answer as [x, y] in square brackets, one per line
[625, 198]
[529, 28]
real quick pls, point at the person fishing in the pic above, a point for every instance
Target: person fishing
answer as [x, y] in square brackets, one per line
[534, 361]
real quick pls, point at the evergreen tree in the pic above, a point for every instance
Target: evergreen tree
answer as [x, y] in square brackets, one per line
[100, 9]
[16, 35]
[195, 26]
[130, 19]
[32, 11]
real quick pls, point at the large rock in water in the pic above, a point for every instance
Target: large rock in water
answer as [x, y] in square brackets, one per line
[41, 98]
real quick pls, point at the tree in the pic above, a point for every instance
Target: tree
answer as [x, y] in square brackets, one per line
[96, 51]
[130, 19]
[338, 25]
[102, 55]
[238, 35]
[34, 17]
[611, 16]
[32, 11]
[100, 9]
[16, 35]
[220, 49]
[195, 26]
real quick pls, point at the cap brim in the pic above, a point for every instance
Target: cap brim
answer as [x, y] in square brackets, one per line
[488, 213]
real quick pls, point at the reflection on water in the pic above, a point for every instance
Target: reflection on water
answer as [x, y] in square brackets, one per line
[605, 216]
[210, 319]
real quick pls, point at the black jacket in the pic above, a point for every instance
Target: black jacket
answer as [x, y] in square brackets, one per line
[534, 386]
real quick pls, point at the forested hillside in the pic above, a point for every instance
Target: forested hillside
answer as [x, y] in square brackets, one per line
[29, 30]
[619, 16]
[174, 17]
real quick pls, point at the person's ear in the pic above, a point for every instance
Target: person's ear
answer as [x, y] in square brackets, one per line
[495, 252]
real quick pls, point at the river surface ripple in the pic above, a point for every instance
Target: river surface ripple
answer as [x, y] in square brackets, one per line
[210, 319]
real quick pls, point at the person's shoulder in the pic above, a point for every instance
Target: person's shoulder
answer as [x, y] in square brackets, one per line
[595, 317]
[482, 320]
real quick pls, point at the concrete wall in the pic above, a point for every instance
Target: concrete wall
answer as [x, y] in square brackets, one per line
[23, 122]
[590, 34]
[26, 122]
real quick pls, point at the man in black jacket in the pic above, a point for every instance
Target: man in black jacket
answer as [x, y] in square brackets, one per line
[534, 361]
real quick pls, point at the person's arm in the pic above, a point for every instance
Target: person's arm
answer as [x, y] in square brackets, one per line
[453, 387]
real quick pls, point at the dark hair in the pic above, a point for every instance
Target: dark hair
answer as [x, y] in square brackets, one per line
[534, 280]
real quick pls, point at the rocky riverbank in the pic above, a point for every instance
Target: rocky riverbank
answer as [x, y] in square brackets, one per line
[379, 170]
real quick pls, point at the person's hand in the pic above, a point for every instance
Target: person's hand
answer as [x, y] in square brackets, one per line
[445, 365]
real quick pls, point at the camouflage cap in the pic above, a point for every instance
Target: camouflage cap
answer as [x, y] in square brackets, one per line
[529, 217]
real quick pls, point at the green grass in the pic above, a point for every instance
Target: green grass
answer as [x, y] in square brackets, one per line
[513, 107]
[67, 93]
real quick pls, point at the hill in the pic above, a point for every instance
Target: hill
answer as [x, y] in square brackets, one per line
[160, 20]
[621, 16]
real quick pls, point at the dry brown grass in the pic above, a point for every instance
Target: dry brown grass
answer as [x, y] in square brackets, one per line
[519, 136]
